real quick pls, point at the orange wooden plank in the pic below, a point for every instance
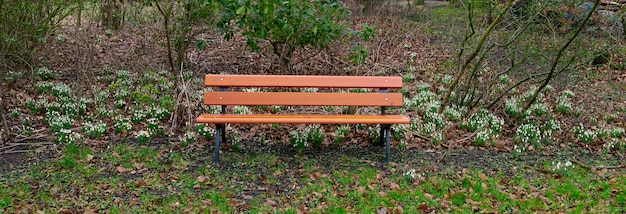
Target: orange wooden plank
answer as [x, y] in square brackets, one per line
[301, 119]
[302, 81]
[303, 99]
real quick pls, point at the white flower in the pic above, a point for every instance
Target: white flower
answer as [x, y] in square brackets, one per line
[242, 110]
[143, 133]
[310, 90]
[568, 93]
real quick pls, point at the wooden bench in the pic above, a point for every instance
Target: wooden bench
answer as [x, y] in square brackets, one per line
[225, 97]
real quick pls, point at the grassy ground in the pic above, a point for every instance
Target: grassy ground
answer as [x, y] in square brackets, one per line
[157, 178]
[96, 140]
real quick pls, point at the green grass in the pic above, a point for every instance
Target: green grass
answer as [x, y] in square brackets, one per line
[164, 182]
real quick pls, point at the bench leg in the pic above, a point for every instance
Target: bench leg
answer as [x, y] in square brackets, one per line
[381, 136]
[218, 135]
[387, 139]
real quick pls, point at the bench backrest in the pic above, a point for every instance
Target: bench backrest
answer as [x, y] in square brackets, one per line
[380, 98]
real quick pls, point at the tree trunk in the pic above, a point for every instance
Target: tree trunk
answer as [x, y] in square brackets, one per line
[112, 14]
[284, 52]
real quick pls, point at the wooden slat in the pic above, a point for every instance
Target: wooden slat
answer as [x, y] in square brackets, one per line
[301, 119]
[303, 99]
[302, 81]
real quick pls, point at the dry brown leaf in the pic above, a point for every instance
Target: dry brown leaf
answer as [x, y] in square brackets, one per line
[141, 184]
[270, 202]
[382, 194]
[482, 176]
[122, 169]
[361, 189]
[66, 211]
[88, 211]
[202, 179]
[382, 210]
[394, 187]
[399, 209]
[302, 210]
[427, 195]
[379, 176]
[423, 207]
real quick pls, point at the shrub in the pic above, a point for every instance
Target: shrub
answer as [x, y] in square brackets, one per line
[123, 125]
[527, 134]
[315, 135]
[455, 113]
[587, 136]
[341, 133]
[154, 127]
[67, 136]
[44, 86]
[57, 122]
[241, 110]
[205, 131]
[61, 90]
[189, 137]
[399, 132]
[513, 107]
[287, 25]
[143, 136]
[617, 132]
[298, 141]
[482, 137]
[94, 130]
[563, 105]
[46, 74]
[486, 124]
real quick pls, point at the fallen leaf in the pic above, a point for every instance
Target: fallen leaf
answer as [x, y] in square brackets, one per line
[423, 207]
[382, 210]
[122, 169]
[277, 173]
[427, 195]
[399, 209]
[361, 189]
[66, 211]
[141, 184]
[89, 158]
[270, 202]
[394, 187]
[88, 211]
[382, 194]
[247, 197]
[302, 210]
[379, 176]
[482, 176]
[202, 179]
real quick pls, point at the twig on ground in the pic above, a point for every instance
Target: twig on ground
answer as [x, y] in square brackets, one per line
[467, 136]
[595, 168]
[18, 151]
[30, 144]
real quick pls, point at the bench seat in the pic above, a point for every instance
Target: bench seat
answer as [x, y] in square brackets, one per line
[301, 119]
